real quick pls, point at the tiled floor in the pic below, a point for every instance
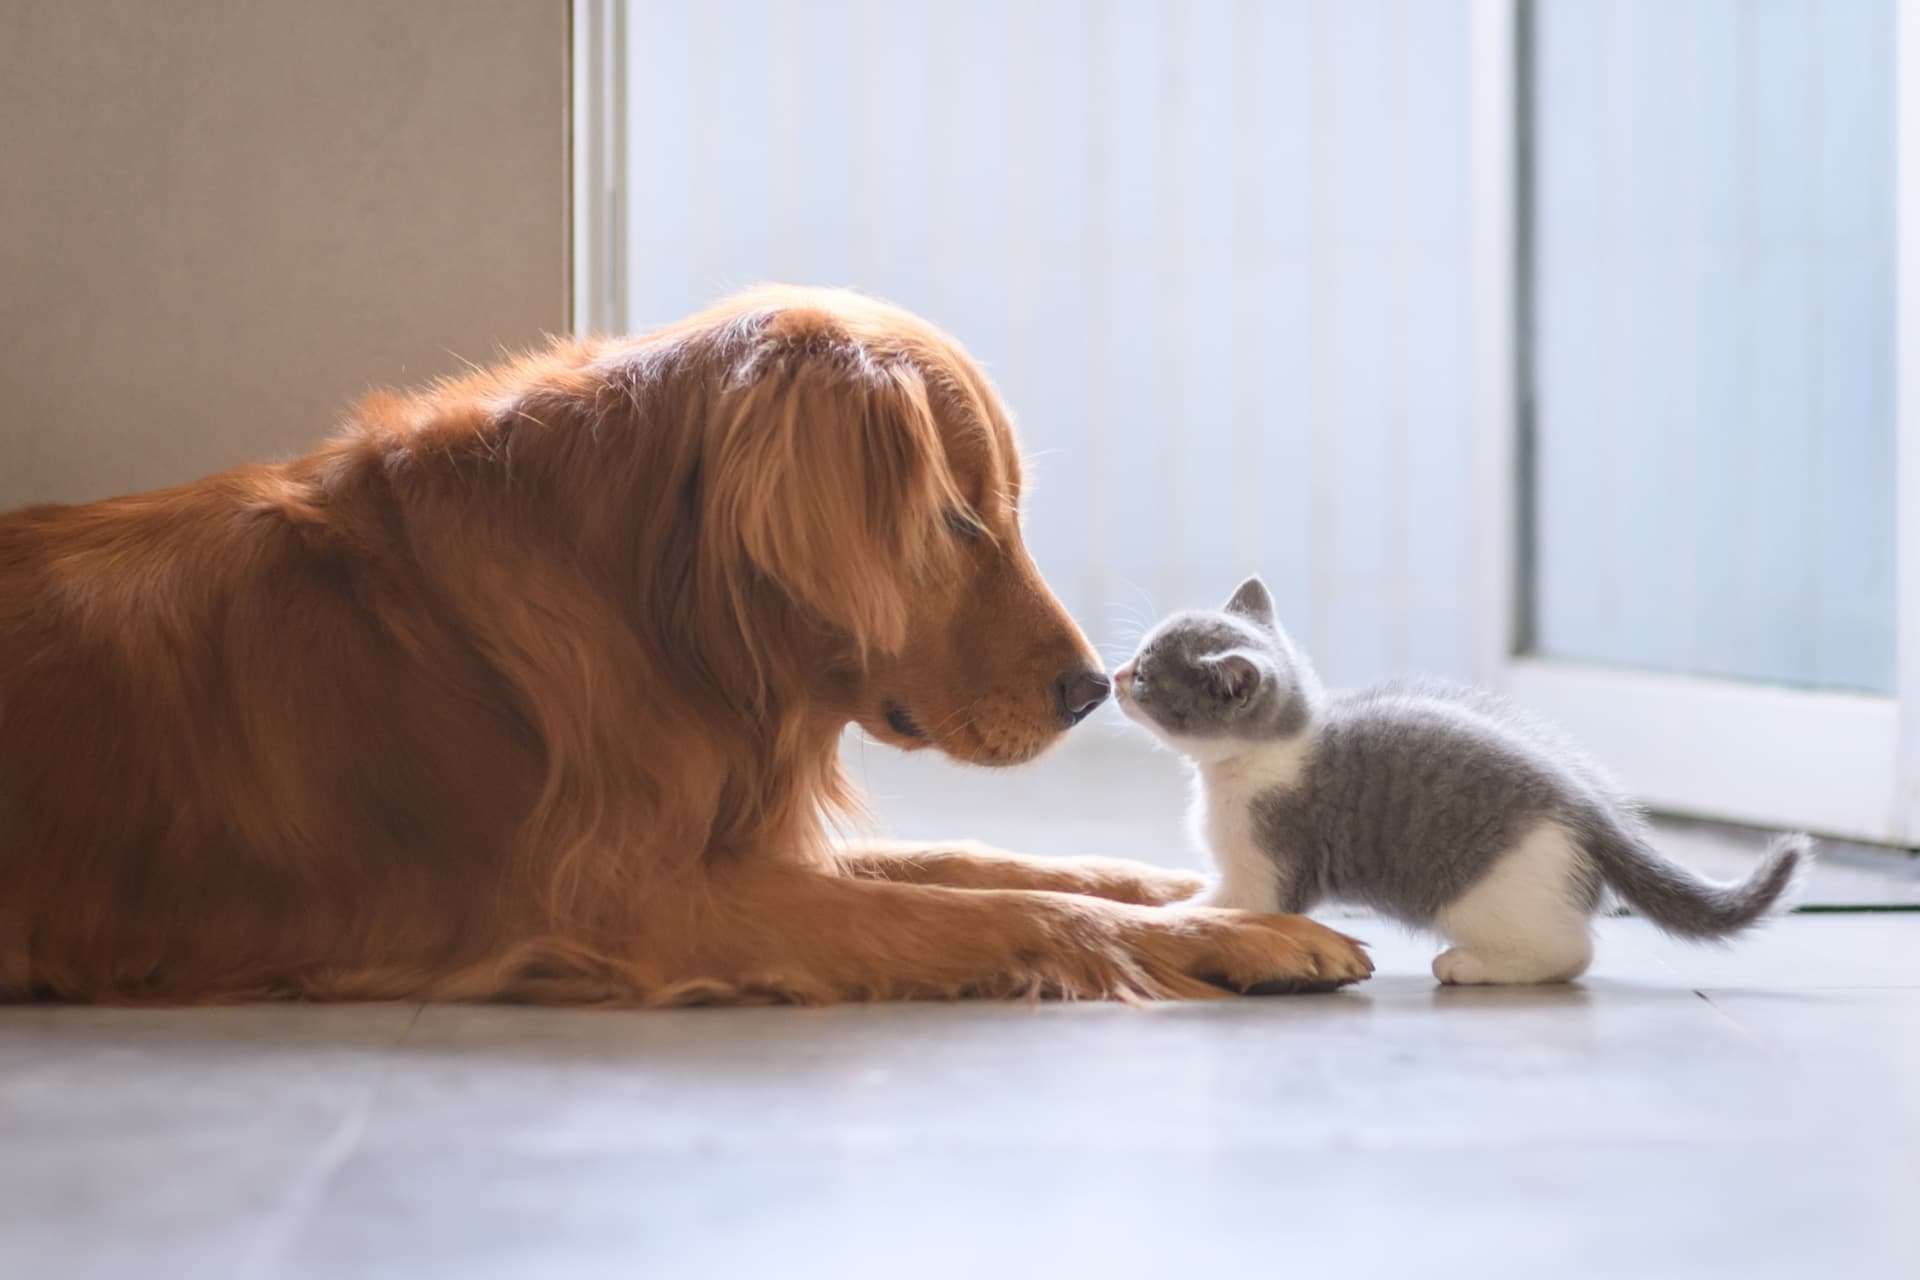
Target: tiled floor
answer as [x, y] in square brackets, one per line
[1750, 1112]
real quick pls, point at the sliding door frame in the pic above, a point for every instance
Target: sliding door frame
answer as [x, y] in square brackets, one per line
[597, 163]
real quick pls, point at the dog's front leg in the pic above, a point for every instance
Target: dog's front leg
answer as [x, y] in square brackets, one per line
[966, 864]
[812, 937]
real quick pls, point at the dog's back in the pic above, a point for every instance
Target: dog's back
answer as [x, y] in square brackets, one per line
[222, 733]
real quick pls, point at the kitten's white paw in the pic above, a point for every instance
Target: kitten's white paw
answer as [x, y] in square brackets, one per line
[1457, 966]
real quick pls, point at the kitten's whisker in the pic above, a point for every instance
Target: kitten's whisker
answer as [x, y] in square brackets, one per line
[1146, 596]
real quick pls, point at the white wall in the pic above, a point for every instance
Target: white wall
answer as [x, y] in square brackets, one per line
[220, 224]
[1214, 254]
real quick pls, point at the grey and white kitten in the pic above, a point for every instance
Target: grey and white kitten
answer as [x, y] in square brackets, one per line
[1436, 804]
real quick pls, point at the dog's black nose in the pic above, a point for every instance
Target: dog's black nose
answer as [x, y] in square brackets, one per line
[1078, 694]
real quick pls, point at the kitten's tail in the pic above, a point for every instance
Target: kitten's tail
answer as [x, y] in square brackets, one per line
[1690, 906]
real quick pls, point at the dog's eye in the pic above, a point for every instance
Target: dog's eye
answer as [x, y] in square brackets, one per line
[965, 525]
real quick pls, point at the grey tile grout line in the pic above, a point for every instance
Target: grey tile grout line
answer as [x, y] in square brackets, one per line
[1793, 1063]
[1746, 1033]
[268, 1256]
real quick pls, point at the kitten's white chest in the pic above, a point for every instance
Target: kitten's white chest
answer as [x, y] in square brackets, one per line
[1222, 817]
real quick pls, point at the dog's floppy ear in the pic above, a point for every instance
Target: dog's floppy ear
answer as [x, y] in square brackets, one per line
[829, 476]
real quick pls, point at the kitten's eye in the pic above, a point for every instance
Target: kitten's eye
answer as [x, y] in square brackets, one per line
[965, 525]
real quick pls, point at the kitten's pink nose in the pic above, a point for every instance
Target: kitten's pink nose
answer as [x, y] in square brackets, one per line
[1123, 678]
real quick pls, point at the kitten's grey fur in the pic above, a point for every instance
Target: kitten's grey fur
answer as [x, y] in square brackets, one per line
[1437, 804]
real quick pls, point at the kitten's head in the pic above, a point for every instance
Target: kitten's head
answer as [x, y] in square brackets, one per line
[1209, 681]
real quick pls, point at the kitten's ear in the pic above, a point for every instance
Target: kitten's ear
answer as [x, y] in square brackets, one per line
[1236, 674]
[1252, 601]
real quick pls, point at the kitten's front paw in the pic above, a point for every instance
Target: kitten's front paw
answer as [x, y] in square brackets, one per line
[1457, 966]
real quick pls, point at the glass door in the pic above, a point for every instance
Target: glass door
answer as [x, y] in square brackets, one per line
[1712, 280]
[1707, 453]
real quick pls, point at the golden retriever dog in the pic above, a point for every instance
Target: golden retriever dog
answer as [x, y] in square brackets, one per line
[531, 685]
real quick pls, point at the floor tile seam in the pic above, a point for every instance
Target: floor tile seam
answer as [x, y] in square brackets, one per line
[268, 1256]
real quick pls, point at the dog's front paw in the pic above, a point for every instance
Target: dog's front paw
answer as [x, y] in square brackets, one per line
[1250, 954]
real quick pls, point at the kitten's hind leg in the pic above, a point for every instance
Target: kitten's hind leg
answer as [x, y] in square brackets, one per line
[1527, 920]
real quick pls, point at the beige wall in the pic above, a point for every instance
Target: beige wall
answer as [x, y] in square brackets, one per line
[221, 221]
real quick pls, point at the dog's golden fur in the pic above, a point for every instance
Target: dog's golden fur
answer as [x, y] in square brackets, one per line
[530, 686]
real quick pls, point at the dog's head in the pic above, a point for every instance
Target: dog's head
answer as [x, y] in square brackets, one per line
[860, 465]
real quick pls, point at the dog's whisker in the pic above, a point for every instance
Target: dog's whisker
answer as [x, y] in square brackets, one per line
[949, 722]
